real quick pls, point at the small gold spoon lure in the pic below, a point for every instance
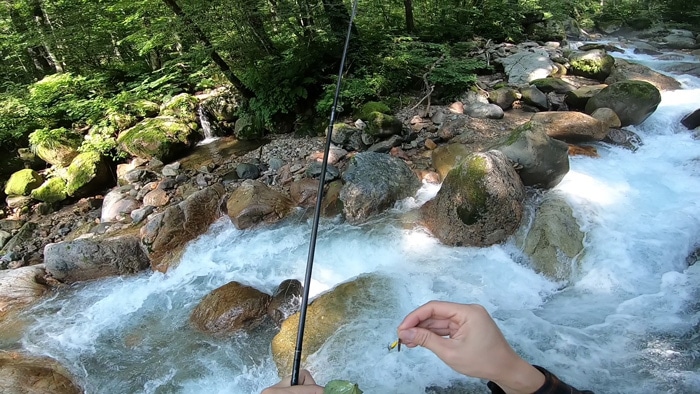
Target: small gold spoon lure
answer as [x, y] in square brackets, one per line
[396, 343]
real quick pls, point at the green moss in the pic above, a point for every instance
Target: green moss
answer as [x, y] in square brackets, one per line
[162, 138]
[382, 124]
[517, 133]
[22, 182]
[592, 66]
[81, 171]
[183, 106]
[143, 108]
[373, 106]
[470, 176]
[53, 190]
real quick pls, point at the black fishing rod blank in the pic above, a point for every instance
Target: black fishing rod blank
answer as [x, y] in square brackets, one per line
[317, 212]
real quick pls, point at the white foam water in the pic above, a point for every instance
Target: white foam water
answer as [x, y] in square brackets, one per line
[628, 321]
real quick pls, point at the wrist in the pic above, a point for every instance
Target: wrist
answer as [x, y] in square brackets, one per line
[520, 378]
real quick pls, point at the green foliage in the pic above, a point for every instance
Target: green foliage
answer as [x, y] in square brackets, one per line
[53, 190]
[50, 138]
[373, 106]
[103, 140]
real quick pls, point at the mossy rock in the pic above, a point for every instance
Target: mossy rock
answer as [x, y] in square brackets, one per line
[183, 107]
[164, 138]
[56, 146]
[595, 64]
[87, 173]
[555, 85]
[373, 106]
[143, 108]
[22, 182]
[632, 101]
[53, 190]
[121, 121]
[383, 125]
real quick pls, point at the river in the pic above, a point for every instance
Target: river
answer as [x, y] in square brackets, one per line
[628, 321]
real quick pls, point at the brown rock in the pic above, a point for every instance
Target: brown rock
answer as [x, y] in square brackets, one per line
[331, 204]
[576, 150]
[303, 192]
[156, 198]
[456, 108]
[446, 157]
[430, 144]
[254, 202]
[286, 300]
[608, 117]
[571, 126]
[24, 374]
[19, 288]
[230, 308]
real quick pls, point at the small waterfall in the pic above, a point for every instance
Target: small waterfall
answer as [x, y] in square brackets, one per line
[209, 129]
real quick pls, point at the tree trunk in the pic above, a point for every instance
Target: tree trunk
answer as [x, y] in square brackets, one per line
[257, 26]
[43, 24]
[338, 17]
[410, 24]
[218, 60]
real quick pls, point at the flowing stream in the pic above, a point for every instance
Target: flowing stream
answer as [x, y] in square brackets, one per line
[629, 321]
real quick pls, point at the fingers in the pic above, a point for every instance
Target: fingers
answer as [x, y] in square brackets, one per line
[305, 378]
[418, 336]
[433, 310]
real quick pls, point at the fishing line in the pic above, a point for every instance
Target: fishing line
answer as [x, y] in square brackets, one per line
[317, 213]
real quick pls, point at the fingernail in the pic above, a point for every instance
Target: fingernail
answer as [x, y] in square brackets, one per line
[407, 336]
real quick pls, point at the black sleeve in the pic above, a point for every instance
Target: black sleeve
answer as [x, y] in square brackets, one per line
[552, 385]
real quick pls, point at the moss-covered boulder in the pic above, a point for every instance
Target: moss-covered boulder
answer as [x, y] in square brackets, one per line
[182, 106]
[578, 98]
[230, 308]
[248, 128]
[164, 138]
[595, 64]
[626, 71]
[479, 203]
[56, 146]
[445, 158]
[22, 182]
[542, 161]
[143, 108]
[372, 106]
[87, 174]
[555, 85]
[121, 121]
[503, 97]
[53, 190]
[365, 297]
[383, 125]
[554, 242]
[632, 101]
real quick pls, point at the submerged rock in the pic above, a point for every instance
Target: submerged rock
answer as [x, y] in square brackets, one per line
[286, 300]
[230, 308]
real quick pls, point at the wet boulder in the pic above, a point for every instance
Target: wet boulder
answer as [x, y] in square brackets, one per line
[608, 117]
[692, 120]
[628, 71]
[19, 288]
[326, 314]
[254, 202]
[96, 257]
[286, 300]
[571, 126]
[595, 64]
[632, 101]
[680, 39]
[303, 192]
[624, 138]
[230, 308]
[24, 374]
[166, 234]
[479, 203]
[373, 183]
[554, 240]
[542, 161]
[22, 182]
[332, 205]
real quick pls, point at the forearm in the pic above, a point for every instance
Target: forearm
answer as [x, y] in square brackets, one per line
[550, 385]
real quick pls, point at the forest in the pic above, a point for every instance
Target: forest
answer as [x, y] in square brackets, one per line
[79, 67]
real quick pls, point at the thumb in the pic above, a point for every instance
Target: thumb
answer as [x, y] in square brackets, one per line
[418, 336]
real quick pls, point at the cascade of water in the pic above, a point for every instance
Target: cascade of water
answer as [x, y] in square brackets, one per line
[630, 317]
[208, 130]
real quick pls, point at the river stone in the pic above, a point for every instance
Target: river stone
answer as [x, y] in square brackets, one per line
[332, 205]
[286, 300]
[524, 67]
[247, 171]
[444, 158]
[625, 71]
[118, 202]
[19, 288]
[22, 182]
[679, 41]
[253, 202]
[364, 296]
[96, 257]
[383, 125]
[166, 234]
[556, 85]
[25, 374]
[303, 192]
[571, 126]
[386, 145]
[608, 117]
[692, 120]
[156, 198]
[690, 68]
[555, 238]
[230, 308]
[503, 97]
[543, 161]
[578, 98]
[535, 97]
[632, 101]
[484, 111]
[594, 64]
[624, 138]
[373, 183]
[479, 203]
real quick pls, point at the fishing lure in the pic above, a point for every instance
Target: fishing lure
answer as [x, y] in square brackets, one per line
[395, 344]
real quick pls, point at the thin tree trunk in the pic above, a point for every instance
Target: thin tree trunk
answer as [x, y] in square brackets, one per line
[410, 24]
[44, 27]
[338, 16]
[218, 60]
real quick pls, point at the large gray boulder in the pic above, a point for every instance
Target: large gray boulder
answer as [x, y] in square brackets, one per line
[524, 67]
[595, 64]
[680, 40]
[542, 161]
[479, 203]
[96, 257]
[554, 242]
[628, 71]
[578, 98]
[535, 97]
[632, 101]
[373, 183]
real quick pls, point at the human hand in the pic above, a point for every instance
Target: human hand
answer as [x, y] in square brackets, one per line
[307, 385]
[467, 339]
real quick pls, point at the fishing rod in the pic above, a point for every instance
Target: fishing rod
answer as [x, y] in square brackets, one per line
[317, 212]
